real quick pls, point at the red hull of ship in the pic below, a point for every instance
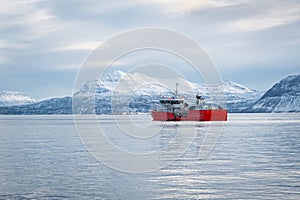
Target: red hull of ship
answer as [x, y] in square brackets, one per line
[193, 115]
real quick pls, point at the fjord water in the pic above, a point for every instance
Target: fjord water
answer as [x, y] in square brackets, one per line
[256, 157]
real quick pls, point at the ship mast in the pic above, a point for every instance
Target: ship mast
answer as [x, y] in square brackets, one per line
[176, 91]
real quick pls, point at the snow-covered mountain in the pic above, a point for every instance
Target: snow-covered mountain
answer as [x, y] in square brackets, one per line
[9, 98]
[119, 92]
[284, 96]
[239, 97]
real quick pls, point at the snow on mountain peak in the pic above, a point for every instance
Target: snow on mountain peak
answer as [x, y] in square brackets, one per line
[113, 76]
[121, 80]
[11, 98]
[144, 90]
[234, 87]
[284, 96]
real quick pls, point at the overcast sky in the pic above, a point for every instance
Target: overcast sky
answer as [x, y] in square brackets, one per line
[43, 43]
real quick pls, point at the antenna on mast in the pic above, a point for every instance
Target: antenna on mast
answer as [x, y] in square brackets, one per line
[176, 91]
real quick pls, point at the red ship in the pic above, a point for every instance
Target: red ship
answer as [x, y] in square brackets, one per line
[175, 109]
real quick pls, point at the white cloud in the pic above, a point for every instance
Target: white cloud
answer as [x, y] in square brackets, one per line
[10, 7]
[12, 45]
[80, 46]
[275, 16]
[28, 18]
[182, 7]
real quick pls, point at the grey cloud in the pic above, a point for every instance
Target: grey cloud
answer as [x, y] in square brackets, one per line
[33, 38]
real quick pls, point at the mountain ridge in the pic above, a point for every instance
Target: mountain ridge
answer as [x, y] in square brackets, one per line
[138, 93]
[283, 96]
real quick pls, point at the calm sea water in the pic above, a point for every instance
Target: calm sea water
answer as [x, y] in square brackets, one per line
[256, 157]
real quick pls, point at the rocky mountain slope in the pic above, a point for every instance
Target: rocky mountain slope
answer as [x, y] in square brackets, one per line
[50, 106]
[284, 96]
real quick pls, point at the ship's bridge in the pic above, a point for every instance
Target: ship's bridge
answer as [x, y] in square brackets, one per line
[171, 101]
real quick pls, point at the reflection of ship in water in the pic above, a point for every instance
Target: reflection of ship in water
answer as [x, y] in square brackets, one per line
[176, 109]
